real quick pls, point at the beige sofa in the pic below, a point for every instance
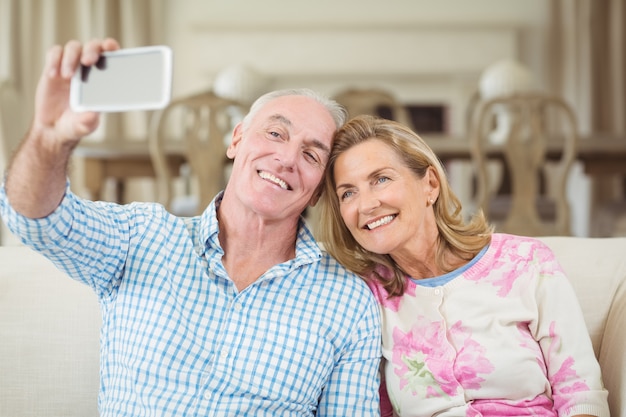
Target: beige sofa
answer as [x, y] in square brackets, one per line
[49, 328]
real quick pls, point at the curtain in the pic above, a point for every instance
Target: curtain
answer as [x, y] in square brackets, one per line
[28, 28]
[608, 97]
[588, 68]
[588, 64]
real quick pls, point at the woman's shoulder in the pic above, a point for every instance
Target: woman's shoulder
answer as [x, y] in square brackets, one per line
[515, 248]
[504, 240]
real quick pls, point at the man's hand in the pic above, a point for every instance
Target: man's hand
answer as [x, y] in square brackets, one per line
[36, 179]
[53, 117]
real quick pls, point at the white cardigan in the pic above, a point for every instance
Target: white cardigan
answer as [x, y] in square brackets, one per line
[504, 337]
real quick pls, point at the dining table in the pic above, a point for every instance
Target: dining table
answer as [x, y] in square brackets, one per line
[601, 154]
[120, 160]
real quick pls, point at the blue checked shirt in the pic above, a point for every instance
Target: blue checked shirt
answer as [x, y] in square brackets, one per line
[178, 339]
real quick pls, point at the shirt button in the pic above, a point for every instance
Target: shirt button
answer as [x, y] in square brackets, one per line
[238, 307]
[207, 395]
[224, 353]
[437, 291]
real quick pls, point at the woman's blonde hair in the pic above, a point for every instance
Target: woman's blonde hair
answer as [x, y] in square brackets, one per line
[464, 239]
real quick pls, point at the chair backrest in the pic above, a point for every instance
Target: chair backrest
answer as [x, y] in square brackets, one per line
[373, 101]
[535, 136]
[202, 122]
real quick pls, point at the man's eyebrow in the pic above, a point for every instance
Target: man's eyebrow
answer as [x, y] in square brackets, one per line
[280, 118]
[314, 142]
[320, 145]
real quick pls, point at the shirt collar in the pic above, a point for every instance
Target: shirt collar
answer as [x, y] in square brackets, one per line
[209, 226]
[307, 249]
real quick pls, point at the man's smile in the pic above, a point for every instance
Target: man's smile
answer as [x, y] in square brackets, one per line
[269, 177]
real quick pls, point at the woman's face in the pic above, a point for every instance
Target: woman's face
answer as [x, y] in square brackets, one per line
[383, 203]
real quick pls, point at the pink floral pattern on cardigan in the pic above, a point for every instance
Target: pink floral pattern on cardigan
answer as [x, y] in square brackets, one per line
[422, 359]
[512, 257]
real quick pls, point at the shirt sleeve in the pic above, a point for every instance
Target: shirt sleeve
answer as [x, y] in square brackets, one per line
[573, 369]
[87, 240]
[353, 386]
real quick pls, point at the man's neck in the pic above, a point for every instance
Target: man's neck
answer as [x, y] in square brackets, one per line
[253, 245]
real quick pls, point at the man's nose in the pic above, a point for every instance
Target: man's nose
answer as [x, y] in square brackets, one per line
[288, 154]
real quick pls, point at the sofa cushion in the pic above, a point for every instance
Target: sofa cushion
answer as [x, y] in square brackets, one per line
[49, 333]
[49, 325]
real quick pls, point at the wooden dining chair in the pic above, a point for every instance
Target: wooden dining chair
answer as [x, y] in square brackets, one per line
[534, 202]
[203, 122]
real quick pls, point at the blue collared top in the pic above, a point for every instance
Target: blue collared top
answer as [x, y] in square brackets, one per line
[179, 339]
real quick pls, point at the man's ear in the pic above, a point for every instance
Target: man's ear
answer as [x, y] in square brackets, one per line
[231, 151]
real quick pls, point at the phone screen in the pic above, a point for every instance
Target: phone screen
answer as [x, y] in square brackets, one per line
[128, 79]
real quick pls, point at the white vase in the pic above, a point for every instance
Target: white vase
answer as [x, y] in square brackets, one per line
[240, 82]
[500, 79]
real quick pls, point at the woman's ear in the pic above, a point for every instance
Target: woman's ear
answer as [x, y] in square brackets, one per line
[231, 151]
[433, 182]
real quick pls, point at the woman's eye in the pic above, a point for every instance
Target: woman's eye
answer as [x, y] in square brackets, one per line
[344, 195]
[381, 180]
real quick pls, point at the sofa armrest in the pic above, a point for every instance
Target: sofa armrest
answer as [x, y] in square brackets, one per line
[612, 356]
[596, 267]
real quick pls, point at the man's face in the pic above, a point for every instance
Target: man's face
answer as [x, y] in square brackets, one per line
[279, 160]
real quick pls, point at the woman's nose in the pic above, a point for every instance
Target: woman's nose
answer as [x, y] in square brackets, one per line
[368, 201]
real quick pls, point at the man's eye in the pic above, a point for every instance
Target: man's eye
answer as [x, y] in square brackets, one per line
[273, 134]
[312, 156]
[381, 180]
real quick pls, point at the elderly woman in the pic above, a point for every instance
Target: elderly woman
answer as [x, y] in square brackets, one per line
[475, 323]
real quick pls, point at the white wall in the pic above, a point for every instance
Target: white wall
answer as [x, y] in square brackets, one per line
[198, 30]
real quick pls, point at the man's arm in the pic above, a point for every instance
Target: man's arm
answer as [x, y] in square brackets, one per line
[353, 389]
[36, 178]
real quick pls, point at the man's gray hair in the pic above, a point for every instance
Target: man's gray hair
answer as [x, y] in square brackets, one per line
[336, 110]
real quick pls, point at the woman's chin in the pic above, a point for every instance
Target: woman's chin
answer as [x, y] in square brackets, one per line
[380, 248]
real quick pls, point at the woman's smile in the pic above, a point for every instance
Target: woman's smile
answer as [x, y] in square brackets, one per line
[380, 222]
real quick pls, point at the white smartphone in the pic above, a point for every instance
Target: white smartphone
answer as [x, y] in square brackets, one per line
[123, 80]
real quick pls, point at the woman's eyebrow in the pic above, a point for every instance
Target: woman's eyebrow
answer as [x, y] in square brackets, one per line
[375, 173]
[342, 186]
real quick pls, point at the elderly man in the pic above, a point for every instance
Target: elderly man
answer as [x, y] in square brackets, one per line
[234, 312]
